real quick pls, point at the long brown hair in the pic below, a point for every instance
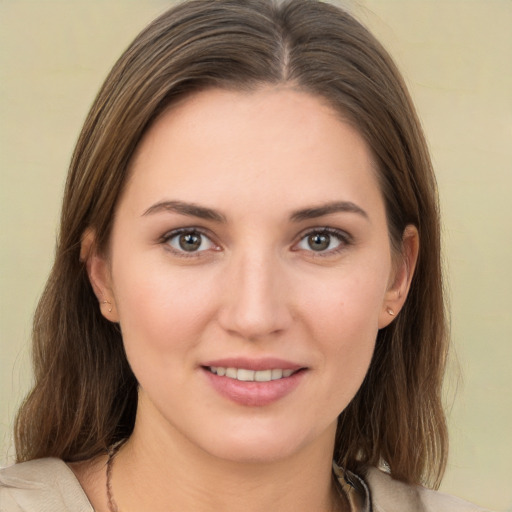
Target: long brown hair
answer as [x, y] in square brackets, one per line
[85, 394]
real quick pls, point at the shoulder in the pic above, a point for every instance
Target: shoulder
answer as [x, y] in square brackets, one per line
[41, 485]
[389, 495]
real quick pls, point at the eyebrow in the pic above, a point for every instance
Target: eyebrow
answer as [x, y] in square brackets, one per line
[194, 210]
[189, 209]
[327, 209]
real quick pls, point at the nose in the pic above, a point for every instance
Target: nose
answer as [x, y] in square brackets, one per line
[256, 300]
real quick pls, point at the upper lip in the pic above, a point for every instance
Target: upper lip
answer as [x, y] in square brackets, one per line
[265, 363]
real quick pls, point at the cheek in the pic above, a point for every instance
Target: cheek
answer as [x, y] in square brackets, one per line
[161, 311]
[348, 302]
[343, 317]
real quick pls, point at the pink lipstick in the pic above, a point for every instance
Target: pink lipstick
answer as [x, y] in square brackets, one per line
[253, 382]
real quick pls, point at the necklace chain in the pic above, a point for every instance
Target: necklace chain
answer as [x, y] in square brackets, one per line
[112, 452]
[111, 502]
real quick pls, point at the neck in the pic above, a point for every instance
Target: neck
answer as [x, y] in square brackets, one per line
[177, 475]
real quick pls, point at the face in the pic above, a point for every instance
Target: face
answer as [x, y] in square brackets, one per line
[249, 269]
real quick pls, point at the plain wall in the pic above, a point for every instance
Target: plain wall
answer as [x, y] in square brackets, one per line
[457, 59]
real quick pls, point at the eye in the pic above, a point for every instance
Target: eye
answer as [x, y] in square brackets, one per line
[322, 241]
[188, 241]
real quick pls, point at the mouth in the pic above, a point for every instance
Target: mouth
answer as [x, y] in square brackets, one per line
[246, 375]
[254, 383]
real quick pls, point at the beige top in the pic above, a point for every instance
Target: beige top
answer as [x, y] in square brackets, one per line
[48, 485]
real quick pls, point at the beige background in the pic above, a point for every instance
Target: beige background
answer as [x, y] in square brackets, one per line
[457, 59]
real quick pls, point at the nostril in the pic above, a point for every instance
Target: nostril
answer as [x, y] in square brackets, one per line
[255, 302]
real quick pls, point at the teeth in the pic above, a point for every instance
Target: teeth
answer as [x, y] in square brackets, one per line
[263, 375]
[277, 374]
[245, 375]
[232, 373]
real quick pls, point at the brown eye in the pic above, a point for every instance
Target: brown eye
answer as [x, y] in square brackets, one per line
[326, 240]
[319, 241]
[190, 241]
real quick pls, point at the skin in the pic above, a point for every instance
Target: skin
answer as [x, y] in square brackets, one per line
[255, 288]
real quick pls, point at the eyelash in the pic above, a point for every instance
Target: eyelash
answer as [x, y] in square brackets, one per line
[166, 239]
[343, 238]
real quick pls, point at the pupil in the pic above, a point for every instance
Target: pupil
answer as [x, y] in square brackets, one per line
[190, 242]
[319, 242]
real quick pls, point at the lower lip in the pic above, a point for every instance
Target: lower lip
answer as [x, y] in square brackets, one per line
[254, 394]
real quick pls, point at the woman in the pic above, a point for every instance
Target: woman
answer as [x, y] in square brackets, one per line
[247, 284]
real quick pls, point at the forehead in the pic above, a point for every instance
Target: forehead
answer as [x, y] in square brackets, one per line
[275, 146]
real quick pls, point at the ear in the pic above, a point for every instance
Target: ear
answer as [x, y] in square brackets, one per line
[401, 277]
[98, 270]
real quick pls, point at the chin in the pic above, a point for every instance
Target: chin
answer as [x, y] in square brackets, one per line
[268, 445]
[252, 452]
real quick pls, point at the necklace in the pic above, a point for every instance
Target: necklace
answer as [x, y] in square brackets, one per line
[112, 505]
[112, 452]
[342, 495]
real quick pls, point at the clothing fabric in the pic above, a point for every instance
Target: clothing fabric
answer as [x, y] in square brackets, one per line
[389, 495]
[49, 485]
[41, 485]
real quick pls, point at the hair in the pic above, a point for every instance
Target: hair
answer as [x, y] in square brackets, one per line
[85, 395]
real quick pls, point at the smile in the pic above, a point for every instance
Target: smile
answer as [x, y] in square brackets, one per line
[245, 375]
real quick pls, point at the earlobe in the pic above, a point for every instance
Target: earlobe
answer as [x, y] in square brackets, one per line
[98, 271]
[402, 277]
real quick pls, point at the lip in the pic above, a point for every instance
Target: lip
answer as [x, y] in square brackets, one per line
[266, 363]
[254, 394]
